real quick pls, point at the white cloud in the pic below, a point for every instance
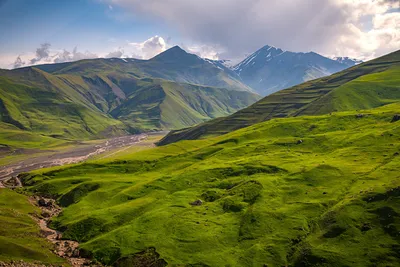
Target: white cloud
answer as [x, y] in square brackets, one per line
[204, 51]
[117, 53]
[242, 26]
[148, 48]
[45, 55]
[66, 56]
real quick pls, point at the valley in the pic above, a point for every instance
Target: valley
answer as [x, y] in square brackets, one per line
[172, 158]
[270, 194]
[70, 156]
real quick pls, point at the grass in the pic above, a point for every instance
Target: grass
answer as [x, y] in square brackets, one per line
[368, 85]
[19, 234]
[301, 191]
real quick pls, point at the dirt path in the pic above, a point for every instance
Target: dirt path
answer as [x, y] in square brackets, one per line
[75, 155]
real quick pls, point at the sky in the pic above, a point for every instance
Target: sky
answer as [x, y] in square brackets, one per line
[52, 31]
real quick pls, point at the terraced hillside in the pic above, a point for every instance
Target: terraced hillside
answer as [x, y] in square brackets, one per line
[368, 85]
[299, 191]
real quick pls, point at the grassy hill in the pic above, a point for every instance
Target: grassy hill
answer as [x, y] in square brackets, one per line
[33, 100]
[368, 85]
[299, 191]
[20, 237]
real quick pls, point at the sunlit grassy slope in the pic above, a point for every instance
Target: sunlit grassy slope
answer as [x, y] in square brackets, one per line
[368, 85]
[19, 233]
[301, 191]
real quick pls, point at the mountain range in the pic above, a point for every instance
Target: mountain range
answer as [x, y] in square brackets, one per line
[271, 69]
[367, 85]
[97, 98]
[104, 97]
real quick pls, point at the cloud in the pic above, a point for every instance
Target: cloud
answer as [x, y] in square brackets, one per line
[242, 26]
[115, 54]
[204, 51]
[42, 52]
[19, 63]
[66, 56]
[149, 48]
[44, 55]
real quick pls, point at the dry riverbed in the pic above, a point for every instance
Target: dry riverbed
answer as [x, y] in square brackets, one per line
[71, 156]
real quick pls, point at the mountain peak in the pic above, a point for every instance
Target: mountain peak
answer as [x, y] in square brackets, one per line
[173, 53]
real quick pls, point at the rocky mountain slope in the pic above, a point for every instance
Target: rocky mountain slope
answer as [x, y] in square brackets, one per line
[271, 69]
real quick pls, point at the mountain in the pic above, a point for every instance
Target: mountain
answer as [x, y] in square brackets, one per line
[98, 98]
[271, 69]
[300, 191]
[368, 85]
[174, 64]
[349, 62]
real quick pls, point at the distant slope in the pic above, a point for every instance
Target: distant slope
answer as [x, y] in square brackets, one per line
[332, 199]
[271, 69]
[33, 100]
[169, 105]
[368, 85]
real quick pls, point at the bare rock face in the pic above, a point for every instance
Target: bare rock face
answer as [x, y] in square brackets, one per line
[197, 203]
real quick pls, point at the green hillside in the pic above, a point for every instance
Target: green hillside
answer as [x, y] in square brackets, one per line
[368, 85]
[19, 234]
[301, 191]
[168, 105]
[36, 101]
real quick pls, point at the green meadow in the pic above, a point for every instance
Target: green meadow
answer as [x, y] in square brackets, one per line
[299, 191]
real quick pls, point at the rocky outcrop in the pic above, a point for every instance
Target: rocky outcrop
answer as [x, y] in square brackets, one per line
[67, 249]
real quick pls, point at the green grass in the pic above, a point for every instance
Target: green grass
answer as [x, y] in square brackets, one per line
[368, 85]
[331, 199]
[19, 233]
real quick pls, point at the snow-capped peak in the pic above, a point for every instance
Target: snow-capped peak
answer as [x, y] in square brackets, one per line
[262, 55]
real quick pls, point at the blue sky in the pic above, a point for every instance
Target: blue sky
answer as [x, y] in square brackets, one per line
[88, 24]
[225, 29]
